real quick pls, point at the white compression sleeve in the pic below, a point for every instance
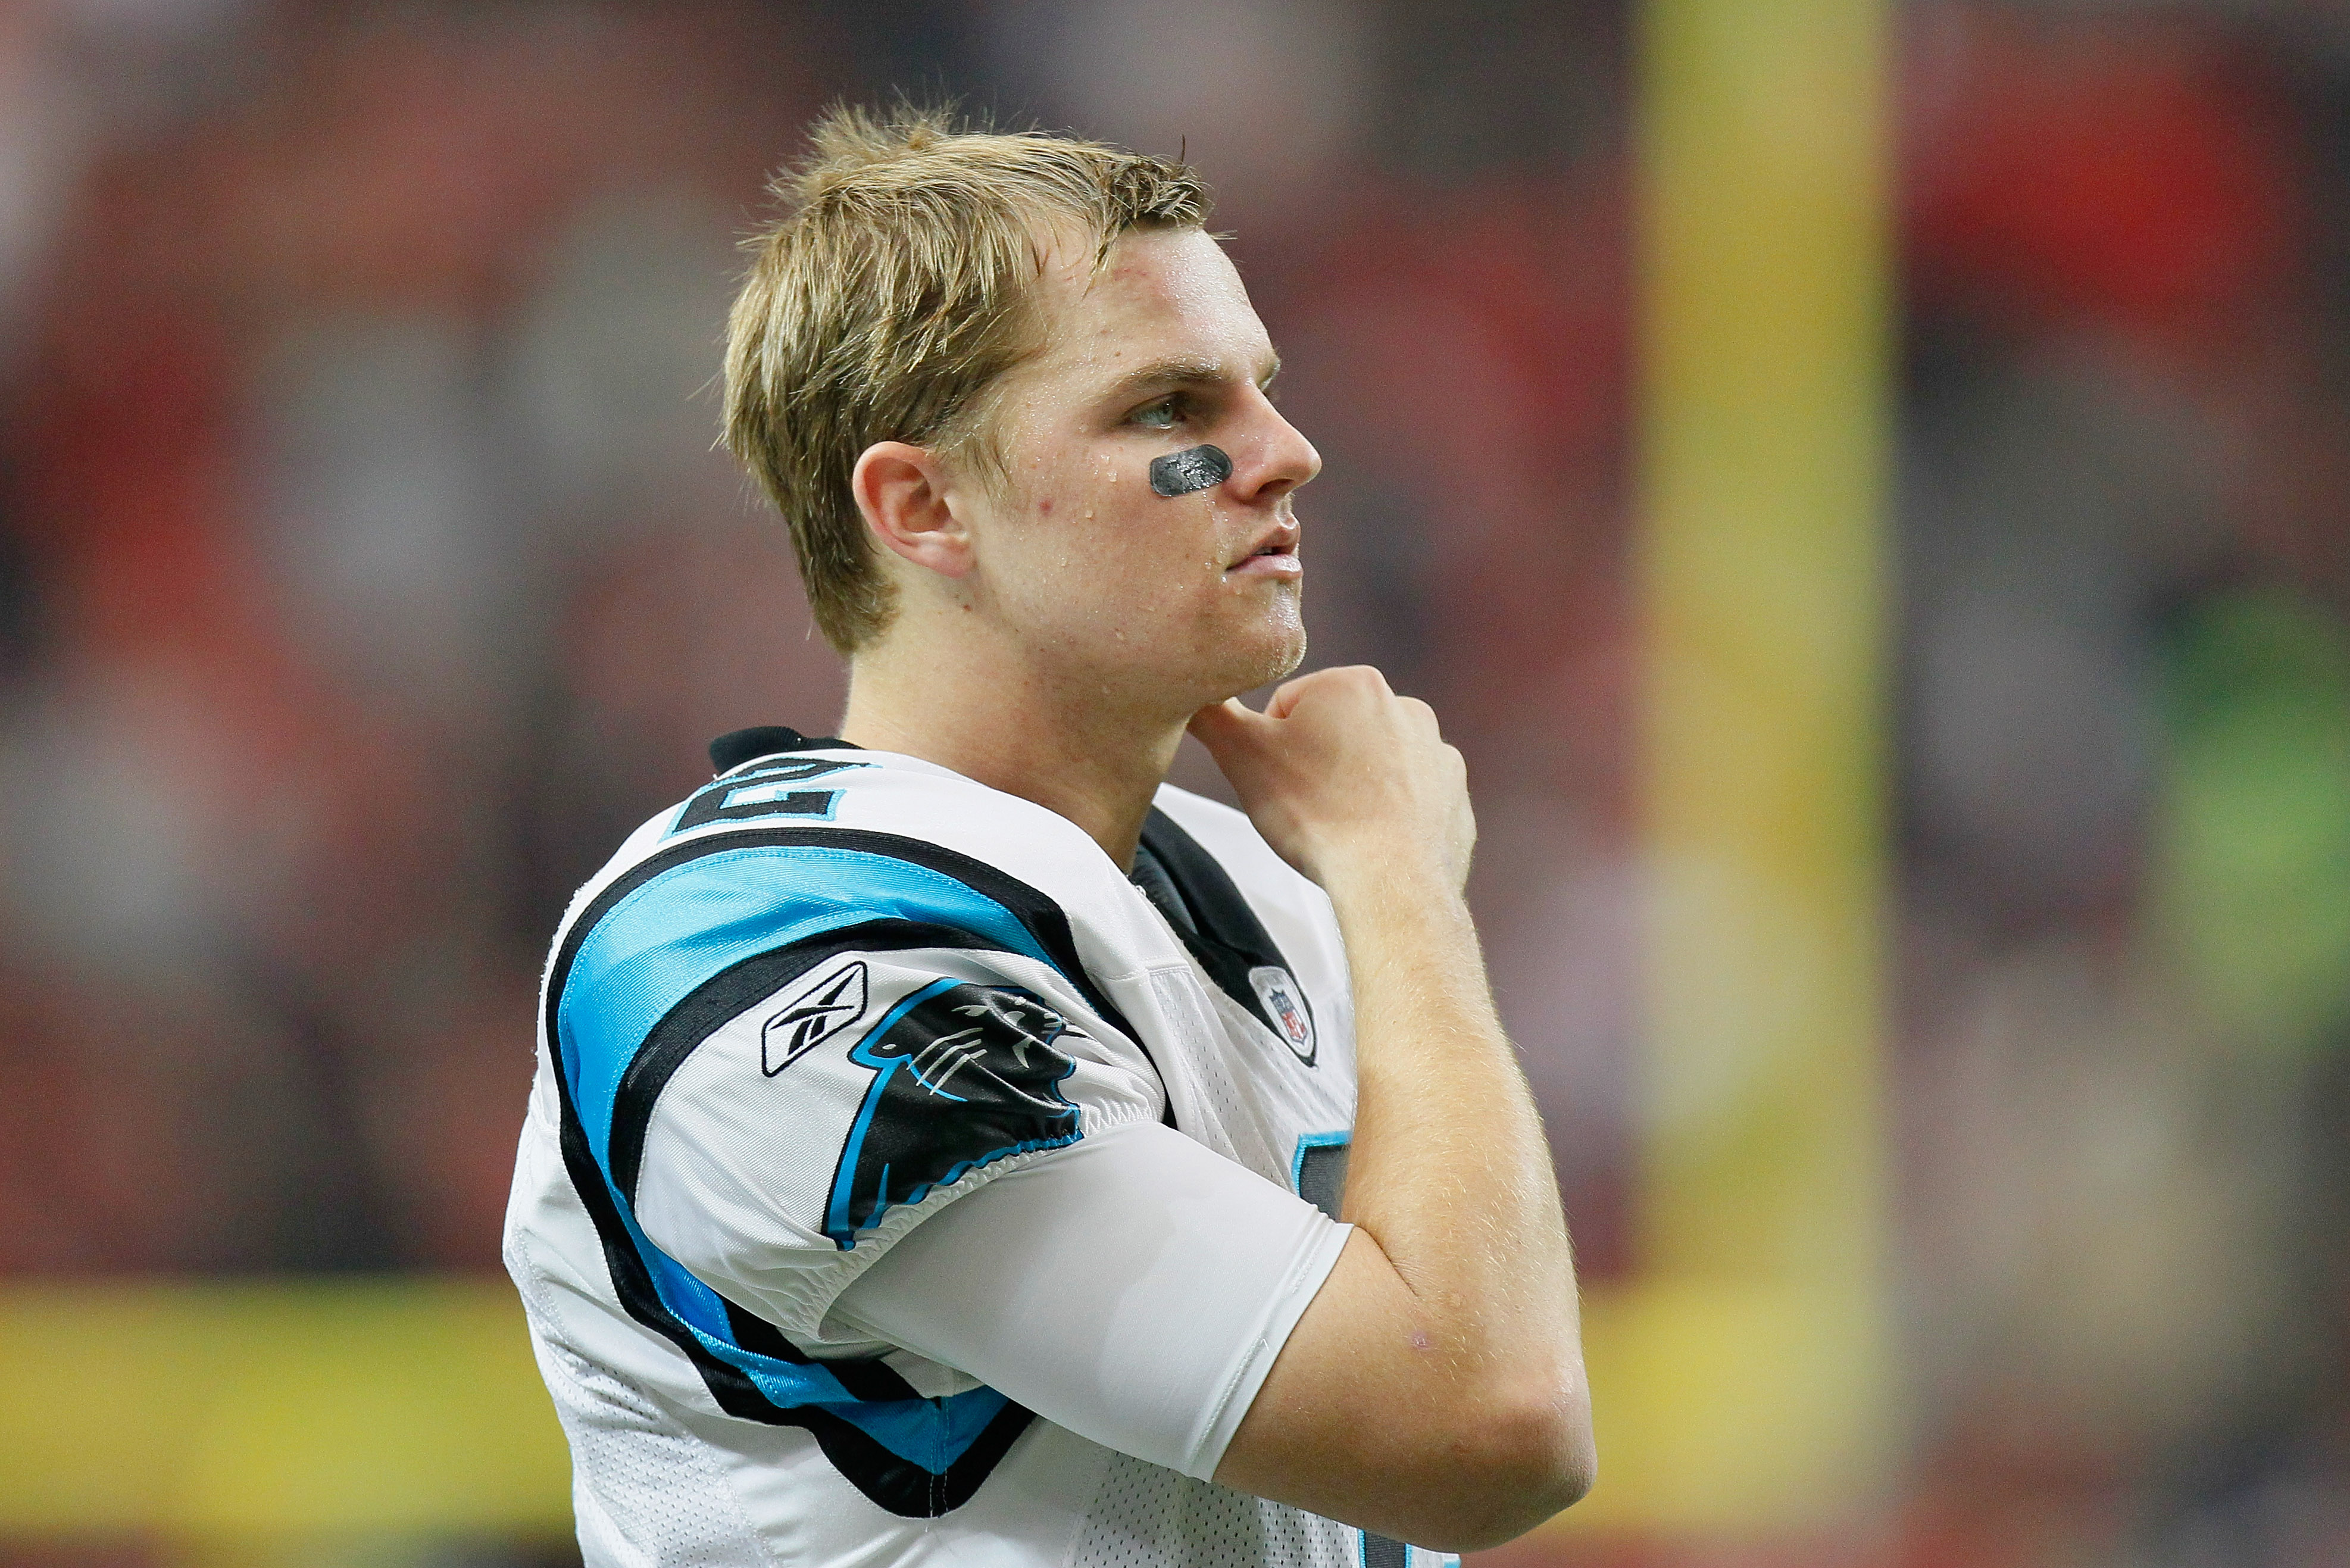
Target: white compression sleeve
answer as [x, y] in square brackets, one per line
[1134, 1288]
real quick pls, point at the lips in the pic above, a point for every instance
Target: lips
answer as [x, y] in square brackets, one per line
[1271, 562]
[1277, 552]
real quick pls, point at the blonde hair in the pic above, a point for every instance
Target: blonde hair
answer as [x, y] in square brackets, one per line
[898, 285]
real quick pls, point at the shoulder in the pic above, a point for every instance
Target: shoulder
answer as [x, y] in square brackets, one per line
[820, 988]
[777, 869]
[798, 844]
[869, 1079]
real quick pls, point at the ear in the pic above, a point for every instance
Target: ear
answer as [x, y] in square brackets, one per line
[901, 492]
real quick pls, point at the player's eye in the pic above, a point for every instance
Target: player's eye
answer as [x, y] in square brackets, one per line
[1162, 415]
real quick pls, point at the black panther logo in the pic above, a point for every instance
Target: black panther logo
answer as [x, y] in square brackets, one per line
[965, 1076]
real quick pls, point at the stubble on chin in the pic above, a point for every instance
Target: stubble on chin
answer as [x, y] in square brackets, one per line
[1285, 664]
[1278, 660]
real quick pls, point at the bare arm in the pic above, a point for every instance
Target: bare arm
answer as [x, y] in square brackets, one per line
[1434, 1390]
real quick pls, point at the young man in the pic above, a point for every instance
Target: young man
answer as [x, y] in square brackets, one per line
[949, 1143]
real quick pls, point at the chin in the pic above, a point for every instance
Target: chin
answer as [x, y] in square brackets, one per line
[1246, 668]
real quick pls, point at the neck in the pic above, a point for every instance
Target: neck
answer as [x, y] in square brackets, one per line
[1009, 725]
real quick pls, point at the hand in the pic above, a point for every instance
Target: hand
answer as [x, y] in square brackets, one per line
[1348, 780]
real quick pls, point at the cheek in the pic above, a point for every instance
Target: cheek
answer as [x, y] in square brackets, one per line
[1110, 527]
[1094, 541]
[1165, 556]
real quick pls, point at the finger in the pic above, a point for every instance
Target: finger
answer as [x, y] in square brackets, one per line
[1217, 717]
[1283, 700]
[1226, 726]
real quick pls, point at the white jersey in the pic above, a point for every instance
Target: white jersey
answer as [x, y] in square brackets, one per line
[824, 1002]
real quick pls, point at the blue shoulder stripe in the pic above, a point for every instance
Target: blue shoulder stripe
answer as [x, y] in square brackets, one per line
[657, 945]
[626, 1006]
[718, 1001]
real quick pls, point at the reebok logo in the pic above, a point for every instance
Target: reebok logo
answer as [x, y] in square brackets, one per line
[817, 1013]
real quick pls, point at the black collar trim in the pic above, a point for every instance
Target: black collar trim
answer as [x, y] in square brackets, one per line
[732, 749]
[1222, 930]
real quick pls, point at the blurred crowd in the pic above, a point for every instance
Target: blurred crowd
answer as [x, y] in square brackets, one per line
[366, 573]
[2124, 1092]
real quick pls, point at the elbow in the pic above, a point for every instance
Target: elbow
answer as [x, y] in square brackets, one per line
[1547, 1466]
[1526, 1462]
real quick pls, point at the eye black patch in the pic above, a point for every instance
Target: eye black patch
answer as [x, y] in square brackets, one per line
[1194, 468]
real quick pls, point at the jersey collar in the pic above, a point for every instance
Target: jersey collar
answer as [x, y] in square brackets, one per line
[732, 749]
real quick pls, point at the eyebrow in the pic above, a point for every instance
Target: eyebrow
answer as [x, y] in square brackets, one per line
[1179, 371]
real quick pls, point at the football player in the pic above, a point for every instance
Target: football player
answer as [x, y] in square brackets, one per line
[950, 1144]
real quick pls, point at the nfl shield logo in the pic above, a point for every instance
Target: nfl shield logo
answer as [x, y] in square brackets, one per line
[1284, 1004]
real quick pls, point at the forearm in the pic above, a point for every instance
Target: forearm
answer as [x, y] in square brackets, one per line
[1450, 1172]
[1434, 1388]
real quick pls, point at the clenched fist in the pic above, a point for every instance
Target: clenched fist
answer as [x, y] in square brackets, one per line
[1349, 782]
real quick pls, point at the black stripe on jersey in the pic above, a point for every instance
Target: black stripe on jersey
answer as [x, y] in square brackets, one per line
[892, 1483]
[1043, 919]
[711, 1005]
[897, 1485]
[681, 1029]
[707, 1009]
[1227, 938]
[866, 1377]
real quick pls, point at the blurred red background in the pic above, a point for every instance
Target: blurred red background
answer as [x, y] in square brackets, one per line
[365, 573]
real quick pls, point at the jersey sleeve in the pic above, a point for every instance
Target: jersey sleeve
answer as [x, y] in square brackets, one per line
[1134, 1289]
[778, 1056]
[813, 1129]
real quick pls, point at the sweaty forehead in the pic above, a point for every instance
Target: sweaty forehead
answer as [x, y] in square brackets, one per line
[1160, 293]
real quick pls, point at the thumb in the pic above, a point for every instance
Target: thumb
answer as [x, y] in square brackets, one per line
[1228, 728]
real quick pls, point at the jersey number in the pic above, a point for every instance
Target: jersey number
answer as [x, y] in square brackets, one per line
[763, 792]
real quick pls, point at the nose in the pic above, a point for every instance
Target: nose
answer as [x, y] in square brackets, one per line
[1273, 457]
